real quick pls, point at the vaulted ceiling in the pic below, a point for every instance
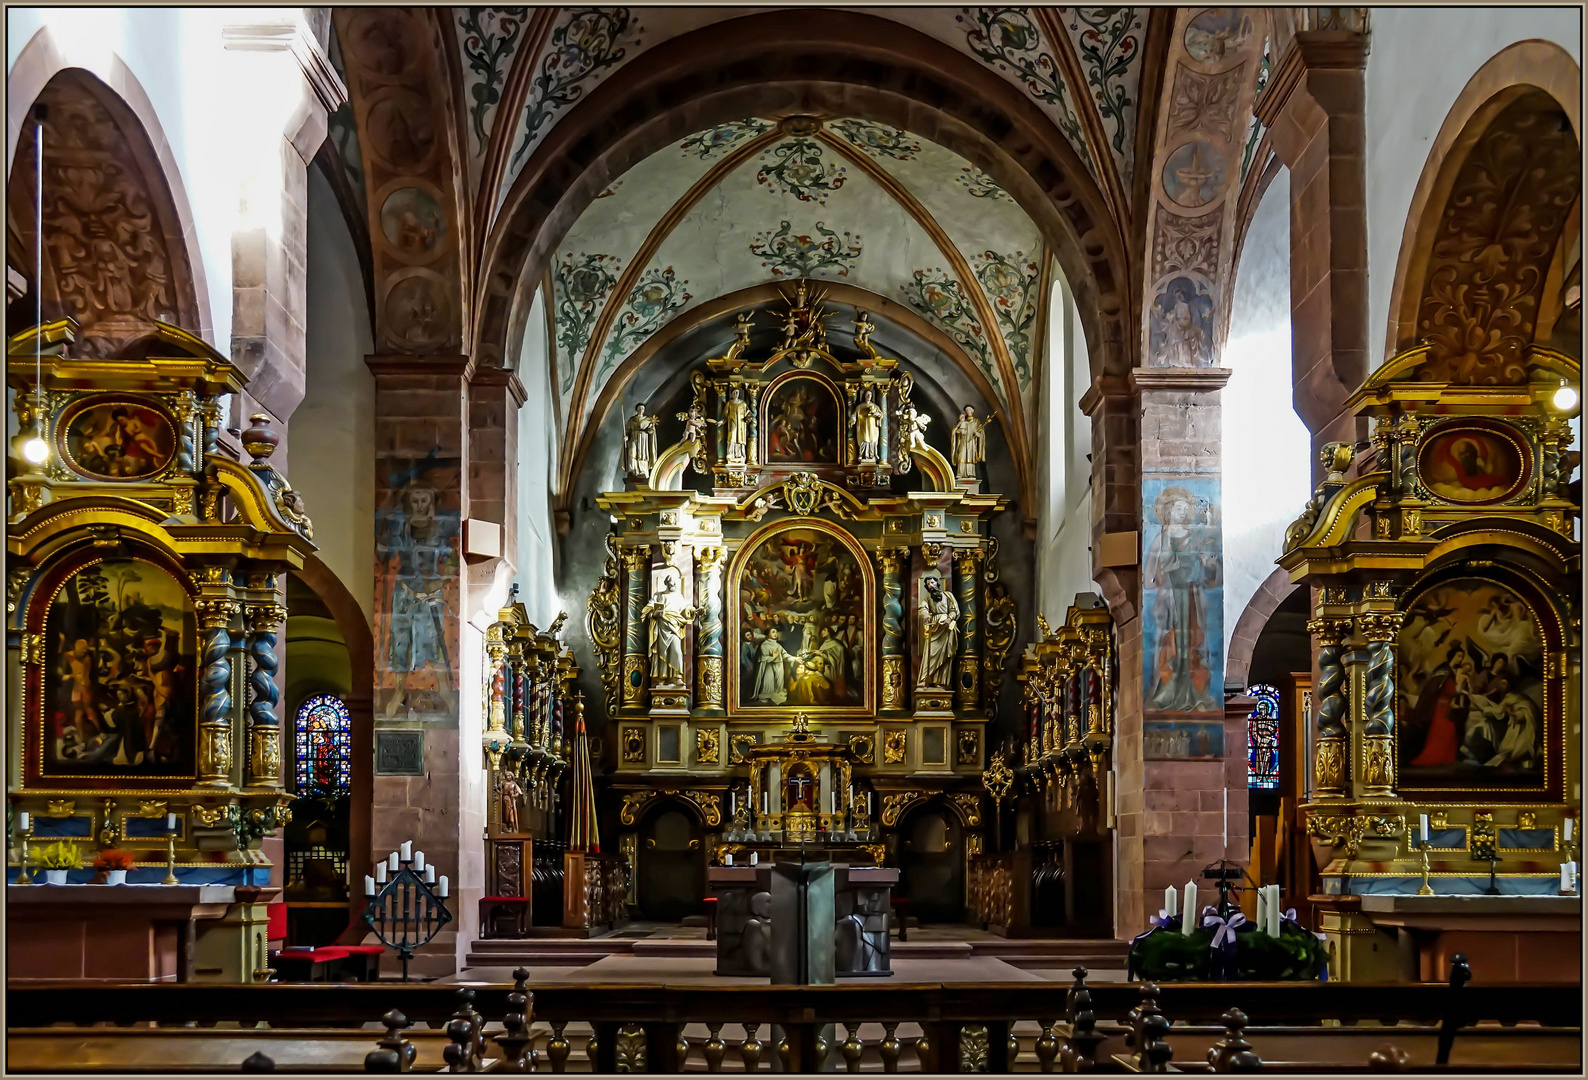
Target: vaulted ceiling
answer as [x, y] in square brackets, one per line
[776, 196]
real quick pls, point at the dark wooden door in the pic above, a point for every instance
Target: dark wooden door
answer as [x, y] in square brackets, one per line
[672, 870]
[932, 866]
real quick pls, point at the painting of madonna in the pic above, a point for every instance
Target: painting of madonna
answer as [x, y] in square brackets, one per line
[1184, 603]
[1470, 686]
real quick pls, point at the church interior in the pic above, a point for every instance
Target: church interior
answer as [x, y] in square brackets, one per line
[1011, 539]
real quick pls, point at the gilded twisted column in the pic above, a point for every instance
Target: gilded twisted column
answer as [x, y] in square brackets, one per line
[499, 706]
[264, 726]
[708, 638]
[967, 567]
[1333, 739]
[890, 562]
[215, 716]
[1381, 629]
[637, 564]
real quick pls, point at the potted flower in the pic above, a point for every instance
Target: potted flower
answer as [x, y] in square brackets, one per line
[113, 864]
[57, 859]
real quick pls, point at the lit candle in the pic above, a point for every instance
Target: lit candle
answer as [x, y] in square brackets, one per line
[1171, 902]
[1189, 923]
[391, 862]
[380, 873]
[407, 850]
[369, 885]
[430, 873]
[25, 821]
[1422, 829]
[444, 886]
[419, 861]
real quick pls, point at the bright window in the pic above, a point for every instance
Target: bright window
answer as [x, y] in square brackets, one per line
[323, 746]
[1262, 738]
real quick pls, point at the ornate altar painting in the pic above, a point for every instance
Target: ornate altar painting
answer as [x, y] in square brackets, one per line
[1471, 464]
[802, 422]
[802, 623]
[1471, 688]
[120, 674]
[117, 439]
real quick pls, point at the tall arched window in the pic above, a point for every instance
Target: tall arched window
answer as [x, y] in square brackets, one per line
[1262, 738]
[323, 758]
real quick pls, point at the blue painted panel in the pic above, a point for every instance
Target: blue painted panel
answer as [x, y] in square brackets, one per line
[47, 828]
[1528, 839]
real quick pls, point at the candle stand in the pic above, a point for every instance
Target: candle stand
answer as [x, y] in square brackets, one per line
[405, 912]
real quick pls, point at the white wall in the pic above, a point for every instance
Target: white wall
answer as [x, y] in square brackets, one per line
[331, 444]
[222, 113]
[1267, 477]
[537, 458]
[1421, 59]
[1064, 439]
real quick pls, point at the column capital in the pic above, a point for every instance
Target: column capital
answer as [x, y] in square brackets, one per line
[1309, 51]
[450, 364]
[1179, 380]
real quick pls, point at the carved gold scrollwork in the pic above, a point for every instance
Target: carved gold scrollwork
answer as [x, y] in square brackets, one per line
[708, 746]
[895, 804]
[632, 802]
[710, 806]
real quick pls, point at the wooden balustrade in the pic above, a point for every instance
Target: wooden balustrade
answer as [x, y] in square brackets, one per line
[671, 1028]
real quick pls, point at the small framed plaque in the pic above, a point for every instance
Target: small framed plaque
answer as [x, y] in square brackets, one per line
[399, 753]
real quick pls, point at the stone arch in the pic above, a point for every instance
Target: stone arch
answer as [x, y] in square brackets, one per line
[137, 223]
[360, 701]
[1249, 626]
[1534, 68]
[783, 63]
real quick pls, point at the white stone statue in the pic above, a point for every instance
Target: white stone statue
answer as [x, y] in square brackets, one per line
[939, 634]
[639, 444]
[669, 617]
[736, 421]
[868, 428]
[970, 444]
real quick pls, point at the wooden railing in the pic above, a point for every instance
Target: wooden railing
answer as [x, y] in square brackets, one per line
[977, 1027]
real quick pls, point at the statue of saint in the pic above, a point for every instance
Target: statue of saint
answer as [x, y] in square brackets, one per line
[736, 421]
[868, 428]
[639, 444]
[695, 422]
[970, 444]
[669, 616]
[939, 634]
[510, 796]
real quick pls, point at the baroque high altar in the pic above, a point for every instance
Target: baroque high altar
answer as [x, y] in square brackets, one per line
[800, 613]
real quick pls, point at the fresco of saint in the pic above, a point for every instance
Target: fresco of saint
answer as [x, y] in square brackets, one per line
[1182, 572]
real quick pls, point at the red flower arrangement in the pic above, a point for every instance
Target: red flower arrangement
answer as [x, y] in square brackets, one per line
[113, 859]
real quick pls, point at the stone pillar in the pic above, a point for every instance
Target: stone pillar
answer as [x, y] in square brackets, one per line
[967, 579]
[895, 695]
[637, 562]
[1173, 817]
[708, 636]
[421, 597]
[265, 617]
[1313, 109]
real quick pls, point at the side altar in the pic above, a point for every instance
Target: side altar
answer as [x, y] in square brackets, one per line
[144, 596]
[803, 551]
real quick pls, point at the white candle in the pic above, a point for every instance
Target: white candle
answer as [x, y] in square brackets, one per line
[380, 873]
[1273, 911]
[755, 858]
[1569, 822]
[24, 821]
[766, 804]
[430, 874]
[727, 860]
[1565, 877]
[1171, 901]
[407, 850]
[1226, 818]
[1262, 909]
[170, 822]
[1189, 922]
[1422, 829]
[369, 885]
[391, 862]
[419, 861]
[443, 889]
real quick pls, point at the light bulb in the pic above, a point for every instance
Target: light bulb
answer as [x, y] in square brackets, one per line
[37, 450]
[1565, 399]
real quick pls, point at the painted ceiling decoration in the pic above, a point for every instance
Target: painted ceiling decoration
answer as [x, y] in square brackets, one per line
[759, 201]
[1082, 66]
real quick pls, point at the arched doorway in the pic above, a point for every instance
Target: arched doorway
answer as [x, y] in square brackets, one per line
[672, 864]
[932, 864]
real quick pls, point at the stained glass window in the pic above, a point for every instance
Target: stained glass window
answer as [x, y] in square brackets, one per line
[1262, 738]
[322, 745]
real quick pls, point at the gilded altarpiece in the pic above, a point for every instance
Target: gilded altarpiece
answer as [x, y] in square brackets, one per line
[143, 614]
[1449, 656]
